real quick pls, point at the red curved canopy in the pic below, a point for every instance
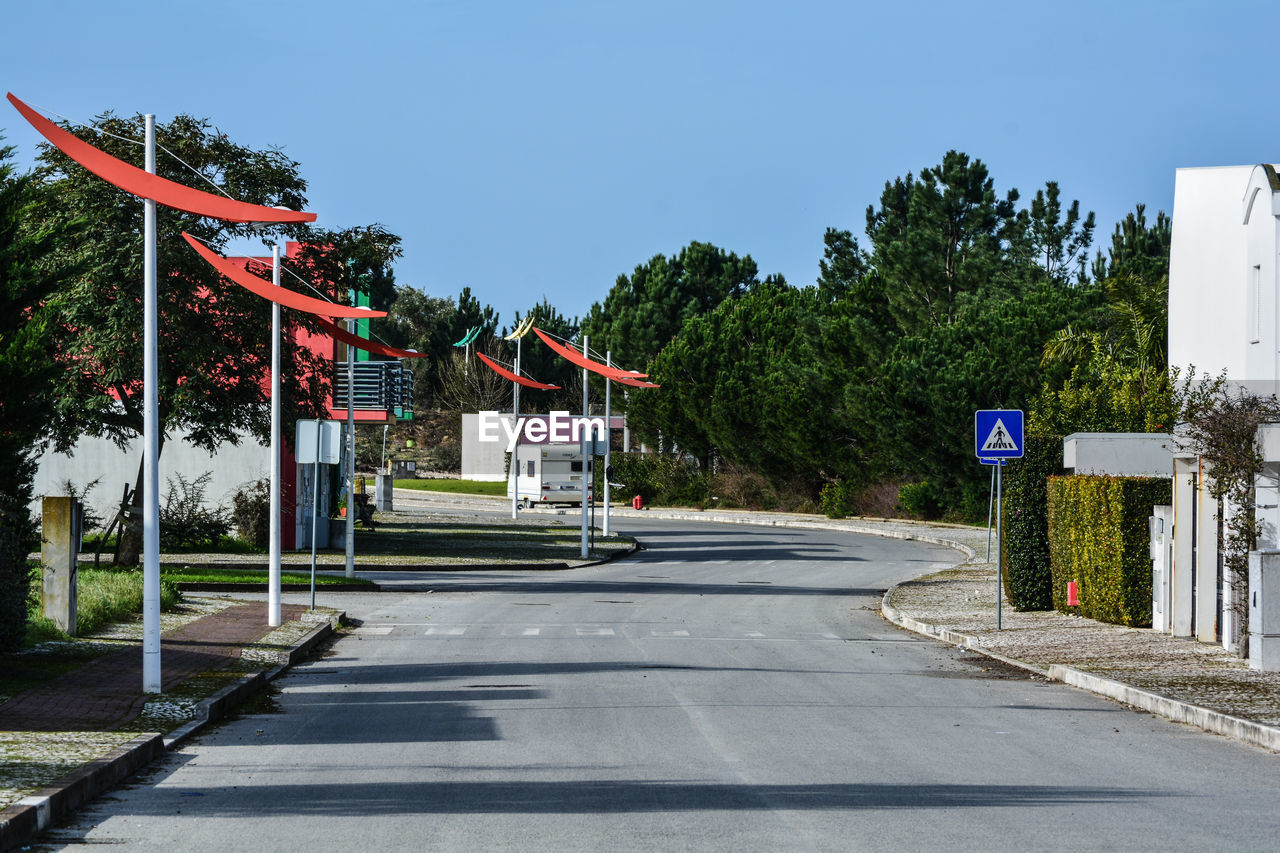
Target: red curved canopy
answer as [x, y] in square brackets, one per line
[507, 374]
[288, 298]
[365, 344]
[143, 184]
[581, 360]
[638, 383]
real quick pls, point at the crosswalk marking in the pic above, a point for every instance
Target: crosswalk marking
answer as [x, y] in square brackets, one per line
[553, 631]
[450, 632]
[595, 632]
[375, 629]
[676, 633]
[532, 632]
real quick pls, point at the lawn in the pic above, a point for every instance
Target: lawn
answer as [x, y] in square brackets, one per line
[457, 487]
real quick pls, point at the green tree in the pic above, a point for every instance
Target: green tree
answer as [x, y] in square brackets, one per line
[29, 279]
[1137, 248]
[416, 321]
[645, 310]
[214, 337]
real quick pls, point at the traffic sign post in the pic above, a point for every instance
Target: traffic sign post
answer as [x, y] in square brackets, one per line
[997, 436]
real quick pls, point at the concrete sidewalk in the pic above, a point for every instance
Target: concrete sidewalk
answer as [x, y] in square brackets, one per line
[97, 725]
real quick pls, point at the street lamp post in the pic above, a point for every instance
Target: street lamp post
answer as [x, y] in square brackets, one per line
[273, 580]
[150, 436]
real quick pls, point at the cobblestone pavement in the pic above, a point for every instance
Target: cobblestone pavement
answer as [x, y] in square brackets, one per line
[107, 692]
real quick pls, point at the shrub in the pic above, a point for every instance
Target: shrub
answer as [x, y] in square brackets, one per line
[185, 521]
[1098, 538]
[251, 513]
[1028, 579]
[660, 478]
[920, 500]
[835, 499]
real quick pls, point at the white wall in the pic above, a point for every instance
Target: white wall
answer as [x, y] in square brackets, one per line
[1261, 230]
[1207, 288]
[93, 458]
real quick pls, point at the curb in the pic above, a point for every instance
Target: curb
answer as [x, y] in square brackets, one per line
[1174, 710]
[22, 821]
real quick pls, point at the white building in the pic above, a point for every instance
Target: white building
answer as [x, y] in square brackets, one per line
[1224, 318]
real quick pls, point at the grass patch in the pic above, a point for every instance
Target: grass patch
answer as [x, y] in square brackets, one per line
[103, 596]
[205, 574]
[456, 487]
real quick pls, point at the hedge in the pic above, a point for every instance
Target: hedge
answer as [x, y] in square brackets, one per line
[1028, 581]
[1098, 537]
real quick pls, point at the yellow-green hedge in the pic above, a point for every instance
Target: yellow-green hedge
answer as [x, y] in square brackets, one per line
[1098, 537]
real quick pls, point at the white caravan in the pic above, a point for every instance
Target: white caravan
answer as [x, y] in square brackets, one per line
[550, 474]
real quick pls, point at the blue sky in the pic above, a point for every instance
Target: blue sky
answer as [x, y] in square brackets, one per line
[530, 149]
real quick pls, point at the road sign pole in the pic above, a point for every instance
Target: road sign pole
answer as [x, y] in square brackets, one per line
[999, 546]
[991, 498]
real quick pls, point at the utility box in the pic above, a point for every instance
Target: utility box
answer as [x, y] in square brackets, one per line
[61, 523]
[383, 493]
[403, 469]
[1161, 530]
[1264, 610]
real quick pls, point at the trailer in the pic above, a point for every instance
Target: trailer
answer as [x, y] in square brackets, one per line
[549, 474]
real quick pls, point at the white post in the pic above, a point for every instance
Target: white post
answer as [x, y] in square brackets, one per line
[582, 446]
[991, 501]
[273, 566]
[608, 435]
[515, 448]
[351, 454]
[150, 437]
[315, 511]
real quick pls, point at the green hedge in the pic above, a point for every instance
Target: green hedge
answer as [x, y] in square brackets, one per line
[1028, 580]
[1098, 537]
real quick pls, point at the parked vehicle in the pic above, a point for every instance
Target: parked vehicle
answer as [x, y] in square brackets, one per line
[550, 474]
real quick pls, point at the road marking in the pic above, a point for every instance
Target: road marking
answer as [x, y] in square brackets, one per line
[449, 632]
[755, 635]
[676, 633]
[532, 632]
[375, 629]
[595, 632]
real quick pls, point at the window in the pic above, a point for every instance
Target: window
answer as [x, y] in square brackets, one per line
[1255, 303]
[530, 464]
[576, 466]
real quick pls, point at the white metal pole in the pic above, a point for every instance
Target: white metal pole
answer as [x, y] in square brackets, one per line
[150, 437]
[608, 435]
[582, 446]
[351, 454]
[315, 511]
[515, 448]
[273, 568]
[999, 545]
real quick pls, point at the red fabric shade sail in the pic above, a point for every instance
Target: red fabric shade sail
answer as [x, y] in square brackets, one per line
[143, 184]
[336, 331]
[581, 360]
[638, 383]
[507, 374]
[287, 298]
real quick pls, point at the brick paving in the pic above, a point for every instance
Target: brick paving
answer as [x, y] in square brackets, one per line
[107, 692]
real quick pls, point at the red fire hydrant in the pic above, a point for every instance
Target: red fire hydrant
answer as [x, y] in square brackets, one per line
[637, 502]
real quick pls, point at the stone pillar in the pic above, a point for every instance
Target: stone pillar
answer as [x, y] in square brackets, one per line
[61, 519]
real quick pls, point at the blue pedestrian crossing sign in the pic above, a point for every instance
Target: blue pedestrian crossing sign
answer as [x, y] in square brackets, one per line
[997, 433]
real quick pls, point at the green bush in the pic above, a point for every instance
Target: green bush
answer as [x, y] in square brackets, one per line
[834, 499]
[921, 501]
[251, 513]
[1098, 538]
[1028, 579]
[185, 521]
[660, 478]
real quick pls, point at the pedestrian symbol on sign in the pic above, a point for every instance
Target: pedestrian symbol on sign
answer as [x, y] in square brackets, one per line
[999, 439]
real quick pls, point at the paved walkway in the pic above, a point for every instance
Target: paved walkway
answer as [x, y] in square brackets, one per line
[107, 692]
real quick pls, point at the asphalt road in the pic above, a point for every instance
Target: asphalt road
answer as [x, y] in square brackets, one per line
[728, 688]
